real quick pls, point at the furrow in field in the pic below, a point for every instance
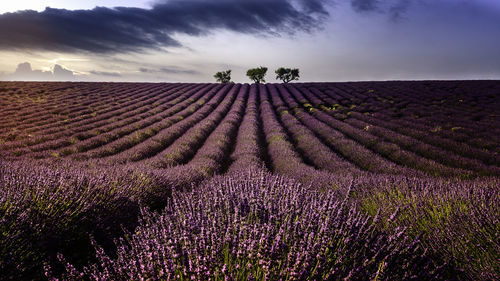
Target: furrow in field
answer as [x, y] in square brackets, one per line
[432, 111]
[460, 148]
[89, 137]
[116, 142]
[248, 153]
[425, 150]
[67, 109]
[186, 146]
[28, 100]
[79, 131]
[95, 111]
[425, 134]
[28, 117]
[173, 127]
[283, 159]
[213, 156]
[390, 151]
[386, 131]
[352, 151]
[311, 149]
[17, 97]
[210, 159]
[445, 104]
[54, 119]
[419, 132]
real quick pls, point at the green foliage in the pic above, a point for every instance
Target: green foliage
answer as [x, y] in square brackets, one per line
[257, 74]
[287, 74]
[452, 223]
[223, 76]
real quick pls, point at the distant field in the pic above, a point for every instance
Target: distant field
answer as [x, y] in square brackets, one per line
[363, 180]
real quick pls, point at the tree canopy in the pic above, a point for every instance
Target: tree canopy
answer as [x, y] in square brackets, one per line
[223, 76]
[257, 74]
[287, 74]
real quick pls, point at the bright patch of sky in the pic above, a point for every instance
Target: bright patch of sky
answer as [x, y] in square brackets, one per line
[40, 5]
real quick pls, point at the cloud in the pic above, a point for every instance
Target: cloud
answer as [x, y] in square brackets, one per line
[23, 68]
[26, 73]
[60, 72]
[169, 70]
[127, 29]
[398, 10]
[364, 5]
[315, 6]
[394, 8]
[105, 73]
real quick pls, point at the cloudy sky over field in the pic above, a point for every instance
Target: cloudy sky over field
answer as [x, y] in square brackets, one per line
[188, 41]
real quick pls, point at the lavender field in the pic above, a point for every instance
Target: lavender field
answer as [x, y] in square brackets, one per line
[301, 181]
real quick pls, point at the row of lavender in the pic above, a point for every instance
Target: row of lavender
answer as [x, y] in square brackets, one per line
[239, 128]
[393, 227]
[27, 113]
[137, 131]
[466, 114]
[312, 150]
[254, 226]
[134, 103]
[373, 132]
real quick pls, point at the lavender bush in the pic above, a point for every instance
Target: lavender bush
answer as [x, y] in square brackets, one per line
[255, 226]
[457, 220]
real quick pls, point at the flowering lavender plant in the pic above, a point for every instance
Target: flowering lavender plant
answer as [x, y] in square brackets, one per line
[255, 226]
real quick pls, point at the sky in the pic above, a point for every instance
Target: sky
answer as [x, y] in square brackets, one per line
[190, 40]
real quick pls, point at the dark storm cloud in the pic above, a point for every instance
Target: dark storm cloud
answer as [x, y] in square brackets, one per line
[122, 29]
[398, 10]
[364, 5]
[395, 9]
[315, 6]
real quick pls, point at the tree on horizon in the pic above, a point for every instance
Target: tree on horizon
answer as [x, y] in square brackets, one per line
[257, 74]
[287, 74]
[223, 76]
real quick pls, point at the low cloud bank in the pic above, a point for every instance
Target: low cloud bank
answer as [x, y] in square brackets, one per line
[24, 72]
